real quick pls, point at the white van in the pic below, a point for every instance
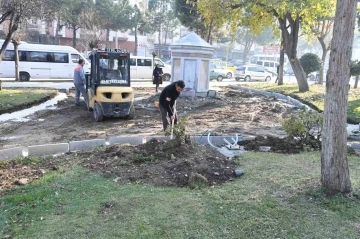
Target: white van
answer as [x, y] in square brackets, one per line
[270, 66]
[142, 67]
[41, 62]
[269, 57]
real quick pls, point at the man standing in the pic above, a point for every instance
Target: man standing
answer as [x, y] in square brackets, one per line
[167, 100]
[157, 74]
[79, 82]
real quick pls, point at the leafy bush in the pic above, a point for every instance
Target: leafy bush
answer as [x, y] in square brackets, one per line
[310, 62]
[355, 68]
[179, 131]
[305, 126]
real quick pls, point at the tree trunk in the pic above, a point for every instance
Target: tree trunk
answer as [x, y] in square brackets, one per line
[74, 36]
[4, 45]
[291, 39]
[159, 45]
[335, 174]
[108, 38]
[16, 51]
[58, 26]
[13, 26]
[299, 74]
[209, 32]
[247, 48]
[323, 58]
[356, 82]
[136, 43]
[281, 68]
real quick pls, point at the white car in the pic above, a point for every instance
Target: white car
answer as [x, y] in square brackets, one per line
[252, 72]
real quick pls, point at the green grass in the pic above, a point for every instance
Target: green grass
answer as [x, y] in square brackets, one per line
[278, 197]
[315, 96]
[14, 98]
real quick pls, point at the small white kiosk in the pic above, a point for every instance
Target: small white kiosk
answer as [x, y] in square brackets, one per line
[190, 61]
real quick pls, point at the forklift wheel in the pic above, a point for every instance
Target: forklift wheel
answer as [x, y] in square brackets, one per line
[131, 113]
[98, 114]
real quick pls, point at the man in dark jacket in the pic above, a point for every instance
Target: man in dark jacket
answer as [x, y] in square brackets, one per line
[167, 100]
[157, 74]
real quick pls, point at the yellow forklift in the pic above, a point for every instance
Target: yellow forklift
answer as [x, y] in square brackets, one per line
[108, 85]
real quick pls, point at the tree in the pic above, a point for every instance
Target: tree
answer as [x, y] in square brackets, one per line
[310, 62]
[322, 29]
[280, 76]
[71, 12]
[92, 31]
[189, 16]
[137, 22]
[162, 20]
[319, 24]
[112, 16]
[16, 39]
[53, 13]
[246, 37]
[288, 14]
[15, 12]
[334, 164]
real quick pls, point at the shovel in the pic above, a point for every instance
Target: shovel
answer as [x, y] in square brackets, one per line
[172, 122]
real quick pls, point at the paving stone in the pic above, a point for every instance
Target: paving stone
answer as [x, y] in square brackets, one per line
[133, 140]
[86, 144]
[48, 149]
[11, 153]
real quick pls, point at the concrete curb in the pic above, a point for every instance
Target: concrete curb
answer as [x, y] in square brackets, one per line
[48, 149]
[86, 144]
[136, 140]
[11, 153]
[73, 146]
[62, 148]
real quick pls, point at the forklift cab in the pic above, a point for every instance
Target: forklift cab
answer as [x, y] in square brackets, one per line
[108, 84]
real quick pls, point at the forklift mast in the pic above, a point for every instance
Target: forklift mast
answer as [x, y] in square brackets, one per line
[109, 67]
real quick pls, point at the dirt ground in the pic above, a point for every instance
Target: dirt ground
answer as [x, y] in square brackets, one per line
[163, 164]
[157, 162]
[229, 113]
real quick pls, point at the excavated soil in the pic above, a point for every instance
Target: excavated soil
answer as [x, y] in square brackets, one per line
[162, 164]
[278, 145]
[157, 162]
[229, 113]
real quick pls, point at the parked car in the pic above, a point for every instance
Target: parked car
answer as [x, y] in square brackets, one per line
[270, 66]
[227, 66]
[314, 76]
[241, 62]
[217, 72]
[252, 72]
[230, 67]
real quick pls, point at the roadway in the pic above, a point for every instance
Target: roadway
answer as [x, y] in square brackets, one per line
[67, 83]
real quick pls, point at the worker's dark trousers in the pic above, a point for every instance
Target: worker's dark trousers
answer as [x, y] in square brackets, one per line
[80, 88]
[165, 118]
